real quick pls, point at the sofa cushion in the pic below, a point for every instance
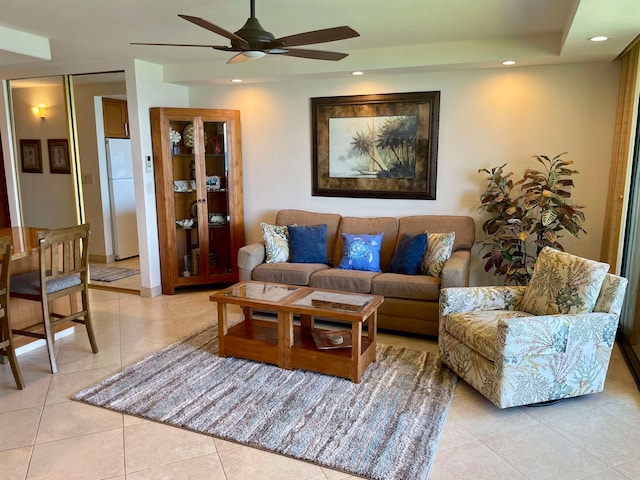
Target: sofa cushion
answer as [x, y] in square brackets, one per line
[414, 287]
[356, 281]
[439, 249]
[287, 273]
[308, 244]
[563, 283]
[388, 226]
[409, 253]
[302, 217]
[478, 329]
[276, 242]
[464, 227]
[361, 252]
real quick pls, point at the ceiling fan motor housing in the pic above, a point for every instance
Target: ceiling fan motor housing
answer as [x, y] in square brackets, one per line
[256, 36]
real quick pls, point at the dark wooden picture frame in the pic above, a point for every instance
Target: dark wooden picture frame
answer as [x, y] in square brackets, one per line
[376, 146]
[31, 156]
[59, 155]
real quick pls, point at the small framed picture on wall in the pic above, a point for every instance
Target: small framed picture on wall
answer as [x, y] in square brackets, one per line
[59, 155]
[31, 156]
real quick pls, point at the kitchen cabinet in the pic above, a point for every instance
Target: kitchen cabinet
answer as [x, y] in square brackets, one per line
[115, 118]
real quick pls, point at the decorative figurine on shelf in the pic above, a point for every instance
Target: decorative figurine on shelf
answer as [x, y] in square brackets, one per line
[217, 147]
[213, 183]
[175, 138]
[187, 133]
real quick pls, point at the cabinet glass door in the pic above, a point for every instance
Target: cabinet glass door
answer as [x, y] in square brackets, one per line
[185, 197]
[216, 169]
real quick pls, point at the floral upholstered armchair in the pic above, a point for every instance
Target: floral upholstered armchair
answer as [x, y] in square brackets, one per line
[547, 341]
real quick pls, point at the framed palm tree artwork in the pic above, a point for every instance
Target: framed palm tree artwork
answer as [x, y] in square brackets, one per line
[376, 146]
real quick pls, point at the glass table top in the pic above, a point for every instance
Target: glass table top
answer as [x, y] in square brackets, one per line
[348, 302]
[270, 292]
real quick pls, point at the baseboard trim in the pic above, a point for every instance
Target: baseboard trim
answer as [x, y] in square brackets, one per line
[41, 342]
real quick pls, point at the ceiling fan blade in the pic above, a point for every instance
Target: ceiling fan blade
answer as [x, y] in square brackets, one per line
[201, 22]
[314, 54]
[316, 36]
[179, 45]
[239, 58]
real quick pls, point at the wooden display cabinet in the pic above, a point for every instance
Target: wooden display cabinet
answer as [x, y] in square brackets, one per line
[198, 177]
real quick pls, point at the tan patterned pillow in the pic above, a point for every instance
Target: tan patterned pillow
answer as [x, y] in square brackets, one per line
[276, 242]
[439, 249]
[563, 283]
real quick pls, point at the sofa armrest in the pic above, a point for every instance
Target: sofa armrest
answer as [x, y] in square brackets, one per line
[455, 272]
[466, 299]
[249, 257]
[553, 334]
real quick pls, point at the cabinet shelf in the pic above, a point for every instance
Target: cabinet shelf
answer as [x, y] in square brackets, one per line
[205, 253]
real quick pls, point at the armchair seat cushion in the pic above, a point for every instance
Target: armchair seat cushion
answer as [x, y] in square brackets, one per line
[478, 329]
[29, 283]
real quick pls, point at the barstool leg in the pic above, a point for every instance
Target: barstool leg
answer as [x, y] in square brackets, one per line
[49, 336]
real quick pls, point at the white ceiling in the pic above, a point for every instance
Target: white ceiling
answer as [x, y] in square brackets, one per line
[395, 36]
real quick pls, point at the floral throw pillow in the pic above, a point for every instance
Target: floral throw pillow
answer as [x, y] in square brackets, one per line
[439, 249]
[563, 284]
[276, 242]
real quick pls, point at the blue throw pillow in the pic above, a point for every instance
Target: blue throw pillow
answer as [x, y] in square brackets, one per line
[361, 252]
[308, 244]
[409, 252]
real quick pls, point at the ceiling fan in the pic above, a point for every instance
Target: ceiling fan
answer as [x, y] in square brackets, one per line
[253, 41]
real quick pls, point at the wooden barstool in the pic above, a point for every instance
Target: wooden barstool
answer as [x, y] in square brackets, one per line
[64, 257]
[6, 337]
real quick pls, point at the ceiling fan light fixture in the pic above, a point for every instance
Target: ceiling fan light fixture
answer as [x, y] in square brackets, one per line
[253, 53]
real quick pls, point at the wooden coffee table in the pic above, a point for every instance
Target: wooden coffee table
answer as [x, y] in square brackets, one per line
[291, 345]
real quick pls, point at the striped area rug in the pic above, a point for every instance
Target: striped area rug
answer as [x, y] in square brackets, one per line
[99, 273]
[386, 427]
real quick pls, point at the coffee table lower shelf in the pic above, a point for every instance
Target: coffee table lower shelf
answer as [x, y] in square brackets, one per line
[258, 340]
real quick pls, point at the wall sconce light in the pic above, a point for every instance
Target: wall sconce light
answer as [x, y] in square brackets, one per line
[39, 111]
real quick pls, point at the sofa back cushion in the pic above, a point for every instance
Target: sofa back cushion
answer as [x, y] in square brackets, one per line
[464, 227]
[301, 217]
[388, 226]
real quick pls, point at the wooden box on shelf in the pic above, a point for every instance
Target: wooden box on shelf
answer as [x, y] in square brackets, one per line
[198, 175]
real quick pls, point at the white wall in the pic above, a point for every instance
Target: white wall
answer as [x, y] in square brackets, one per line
[487, 117]
[146, 89]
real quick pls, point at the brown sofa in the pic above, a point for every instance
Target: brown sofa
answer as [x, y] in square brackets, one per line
[411, 301]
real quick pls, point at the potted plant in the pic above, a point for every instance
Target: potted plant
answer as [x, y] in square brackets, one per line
[527, 216]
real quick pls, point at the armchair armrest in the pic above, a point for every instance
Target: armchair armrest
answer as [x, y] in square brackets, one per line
[249, 257]
[455, 272]
[466, 299]
[552, 334]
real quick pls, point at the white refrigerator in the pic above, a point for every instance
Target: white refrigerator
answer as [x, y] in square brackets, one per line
[122, 198]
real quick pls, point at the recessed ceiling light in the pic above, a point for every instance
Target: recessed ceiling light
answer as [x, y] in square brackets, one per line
[357, 72]
[236, 80]
[599, 38]
[508, 62]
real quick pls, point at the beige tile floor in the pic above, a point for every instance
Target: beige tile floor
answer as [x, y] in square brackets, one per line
[44, 435]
